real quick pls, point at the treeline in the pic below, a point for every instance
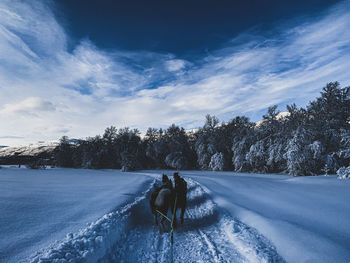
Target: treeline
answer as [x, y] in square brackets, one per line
[303, 141]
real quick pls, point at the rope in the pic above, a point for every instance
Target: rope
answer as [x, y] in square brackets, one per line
[172, 228]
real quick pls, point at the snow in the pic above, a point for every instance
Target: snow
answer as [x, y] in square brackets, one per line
[217, 162]
[28, 150]
[129, 235]
[41, 206]
[279, 116]
[32, 149]
[306, 218]
[230, 217]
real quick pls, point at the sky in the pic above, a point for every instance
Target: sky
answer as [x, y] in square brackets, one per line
[76, 67]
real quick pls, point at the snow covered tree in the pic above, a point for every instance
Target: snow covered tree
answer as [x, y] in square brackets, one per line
[343, 173]
[318, 158]
[204, 152]
[331, 163]
[240, 149]
[344, 149]
[298, 154]
[128, 145]
[129, 162]
[211, 122]
[155, 147]
[212, 139]
[243, 136]
[109, 153]
[295, 118]
[178, 141]
[93, 153]
[275, 155]
[301, 142]
[329, 114]
[217, 162]
[163, 148]
[257, 157]
[176, 160]
[270, 122]
[78, 154]
[64, 153]
[206, 144]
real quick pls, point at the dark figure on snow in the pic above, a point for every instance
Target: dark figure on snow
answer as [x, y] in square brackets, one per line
[168, 196]
[180, 195]
[161, 199]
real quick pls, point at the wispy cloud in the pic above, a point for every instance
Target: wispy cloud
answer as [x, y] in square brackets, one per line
[47, 91]
[11, 137]
[175, 64]
[245, 78]
[29, 106]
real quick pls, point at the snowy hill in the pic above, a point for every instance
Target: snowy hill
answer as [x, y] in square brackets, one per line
[28, 150]
[279, 116]
[28, 153]
[25, 153]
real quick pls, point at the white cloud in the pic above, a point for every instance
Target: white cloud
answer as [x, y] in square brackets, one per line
[175, 64]
[47, 91]
[29, 106]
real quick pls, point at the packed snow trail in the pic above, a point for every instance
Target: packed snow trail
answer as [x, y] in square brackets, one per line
[208, 234]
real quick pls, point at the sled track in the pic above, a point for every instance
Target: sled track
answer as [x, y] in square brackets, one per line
[208, 234]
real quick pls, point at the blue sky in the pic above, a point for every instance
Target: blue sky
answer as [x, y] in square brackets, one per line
[74, 68]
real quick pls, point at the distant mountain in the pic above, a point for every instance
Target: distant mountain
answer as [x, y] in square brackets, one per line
[279, 116]
[74, 141]
[31, 152]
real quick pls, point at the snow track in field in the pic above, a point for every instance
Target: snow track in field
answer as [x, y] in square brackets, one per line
[129, 235]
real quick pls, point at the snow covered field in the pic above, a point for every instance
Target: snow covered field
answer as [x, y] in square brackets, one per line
[41, 206]
[305, 218]
[230, 218]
